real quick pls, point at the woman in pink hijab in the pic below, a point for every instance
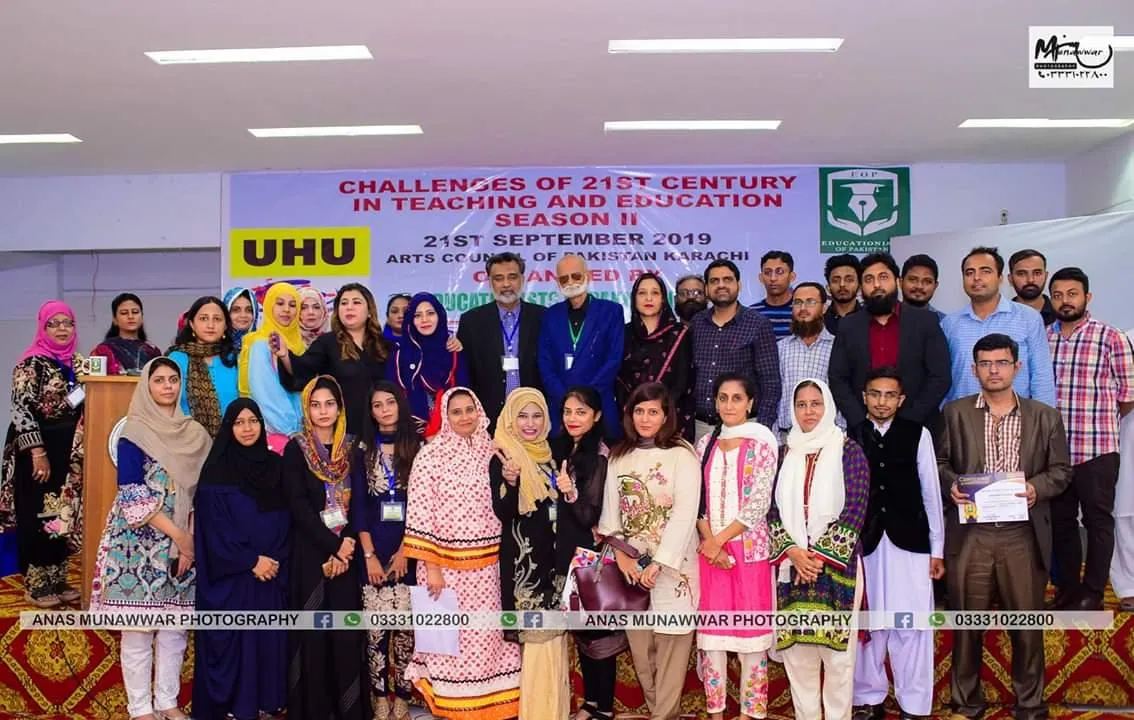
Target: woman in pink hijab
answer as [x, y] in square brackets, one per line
[47, 403]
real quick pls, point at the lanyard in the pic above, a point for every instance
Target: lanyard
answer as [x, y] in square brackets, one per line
[510, 337]
[387, 471]
[550, 473]
[575, 335]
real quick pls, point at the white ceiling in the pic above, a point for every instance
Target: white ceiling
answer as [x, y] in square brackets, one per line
[508, 82]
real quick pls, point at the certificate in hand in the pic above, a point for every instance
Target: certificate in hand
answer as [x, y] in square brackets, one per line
[993, 497]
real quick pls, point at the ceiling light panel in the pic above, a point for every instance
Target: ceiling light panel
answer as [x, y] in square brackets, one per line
[670, 125]
[336, 131]
[724, 45]
[261, 55]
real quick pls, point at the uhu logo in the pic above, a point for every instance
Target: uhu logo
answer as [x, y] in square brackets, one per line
[300, 251]
[316, 251]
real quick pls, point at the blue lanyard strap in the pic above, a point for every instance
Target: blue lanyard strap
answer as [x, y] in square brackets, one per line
[549, 471]
[391, 477]
[510, 337]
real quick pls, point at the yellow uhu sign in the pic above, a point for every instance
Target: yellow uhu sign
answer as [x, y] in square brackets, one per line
[314, 251]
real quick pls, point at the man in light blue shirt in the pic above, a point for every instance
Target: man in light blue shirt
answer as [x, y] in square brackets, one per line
[990, 312]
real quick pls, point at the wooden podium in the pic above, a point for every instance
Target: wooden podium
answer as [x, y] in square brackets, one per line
[108, 398]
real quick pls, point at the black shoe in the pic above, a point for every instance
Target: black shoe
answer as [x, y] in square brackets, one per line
[869, 712]
[1086, 601]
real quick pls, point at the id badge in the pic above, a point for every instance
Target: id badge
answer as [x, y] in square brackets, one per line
[75, 397]
[334, 519]
[509, 363]
[553, 512]
[393, 511]
[568, 361]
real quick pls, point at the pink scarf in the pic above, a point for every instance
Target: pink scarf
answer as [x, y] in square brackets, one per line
[44, 344]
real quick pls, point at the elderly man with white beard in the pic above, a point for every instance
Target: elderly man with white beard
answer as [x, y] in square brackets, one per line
[580, 343]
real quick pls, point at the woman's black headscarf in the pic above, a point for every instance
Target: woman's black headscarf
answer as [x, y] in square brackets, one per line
[254, 470]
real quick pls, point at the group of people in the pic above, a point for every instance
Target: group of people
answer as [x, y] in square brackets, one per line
[275, 459]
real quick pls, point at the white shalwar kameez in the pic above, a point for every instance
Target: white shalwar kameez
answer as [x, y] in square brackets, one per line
[898, 580]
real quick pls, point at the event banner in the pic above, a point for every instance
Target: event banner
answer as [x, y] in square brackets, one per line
[408, 231]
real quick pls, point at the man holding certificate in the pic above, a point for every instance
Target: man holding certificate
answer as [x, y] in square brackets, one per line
[1001, 458]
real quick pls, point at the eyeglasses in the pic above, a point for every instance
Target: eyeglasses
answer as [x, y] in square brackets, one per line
[809, 302]
[999, 364]
[888, 395]
[575, 276]
[54, 324]
[775, 272]
[694, 294]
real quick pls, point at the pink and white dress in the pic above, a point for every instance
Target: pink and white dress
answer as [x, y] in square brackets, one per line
[450, 524]
[737, 486]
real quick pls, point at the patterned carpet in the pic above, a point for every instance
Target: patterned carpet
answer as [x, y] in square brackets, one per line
[51, 674]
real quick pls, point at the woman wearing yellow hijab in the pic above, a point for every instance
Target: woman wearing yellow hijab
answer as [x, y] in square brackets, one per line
[259, 376]
[524, 498]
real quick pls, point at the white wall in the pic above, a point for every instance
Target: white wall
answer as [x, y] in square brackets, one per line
[111, 212]
[955, 197]
[1102, 180]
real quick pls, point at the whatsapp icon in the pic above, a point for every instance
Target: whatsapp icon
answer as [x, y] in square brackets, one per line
[508, 619]
[936, 619]
[352, 619]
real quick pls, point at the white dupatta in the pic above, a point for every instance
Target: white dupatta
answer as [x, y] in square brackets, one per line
[828, 487]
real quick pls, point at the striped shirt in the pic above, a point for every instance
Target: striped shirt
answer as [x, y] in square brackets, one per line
[1001, 438]
[1035, 379]
[799, 361]
[778, 315]
[1094, 372]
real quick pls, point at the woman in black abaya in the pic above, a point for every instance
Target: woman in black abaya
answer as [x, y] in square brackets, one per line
[326, 670]
[241, 524]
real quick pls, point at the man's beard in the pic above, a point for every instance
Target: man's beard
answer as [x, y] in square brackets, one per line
[724, 303]
[573, 291]
[844, 296]
[881, 304]
[915, 303]
[507, 298]
[1030, 292]
[688, 308]
[1073, 315]
[807, 328]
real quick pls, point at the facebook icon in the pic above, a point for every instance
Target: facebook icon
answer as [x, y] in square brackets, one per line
[903, 620]
[324, 620]
[533, 620]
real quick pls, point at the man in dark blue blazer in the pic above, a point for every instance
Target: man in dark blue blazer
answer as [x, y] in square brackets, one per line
[580, 343]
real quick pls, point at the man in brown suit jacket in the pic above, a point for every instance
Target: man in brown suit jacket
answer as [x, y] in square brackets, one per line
[998, 431]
